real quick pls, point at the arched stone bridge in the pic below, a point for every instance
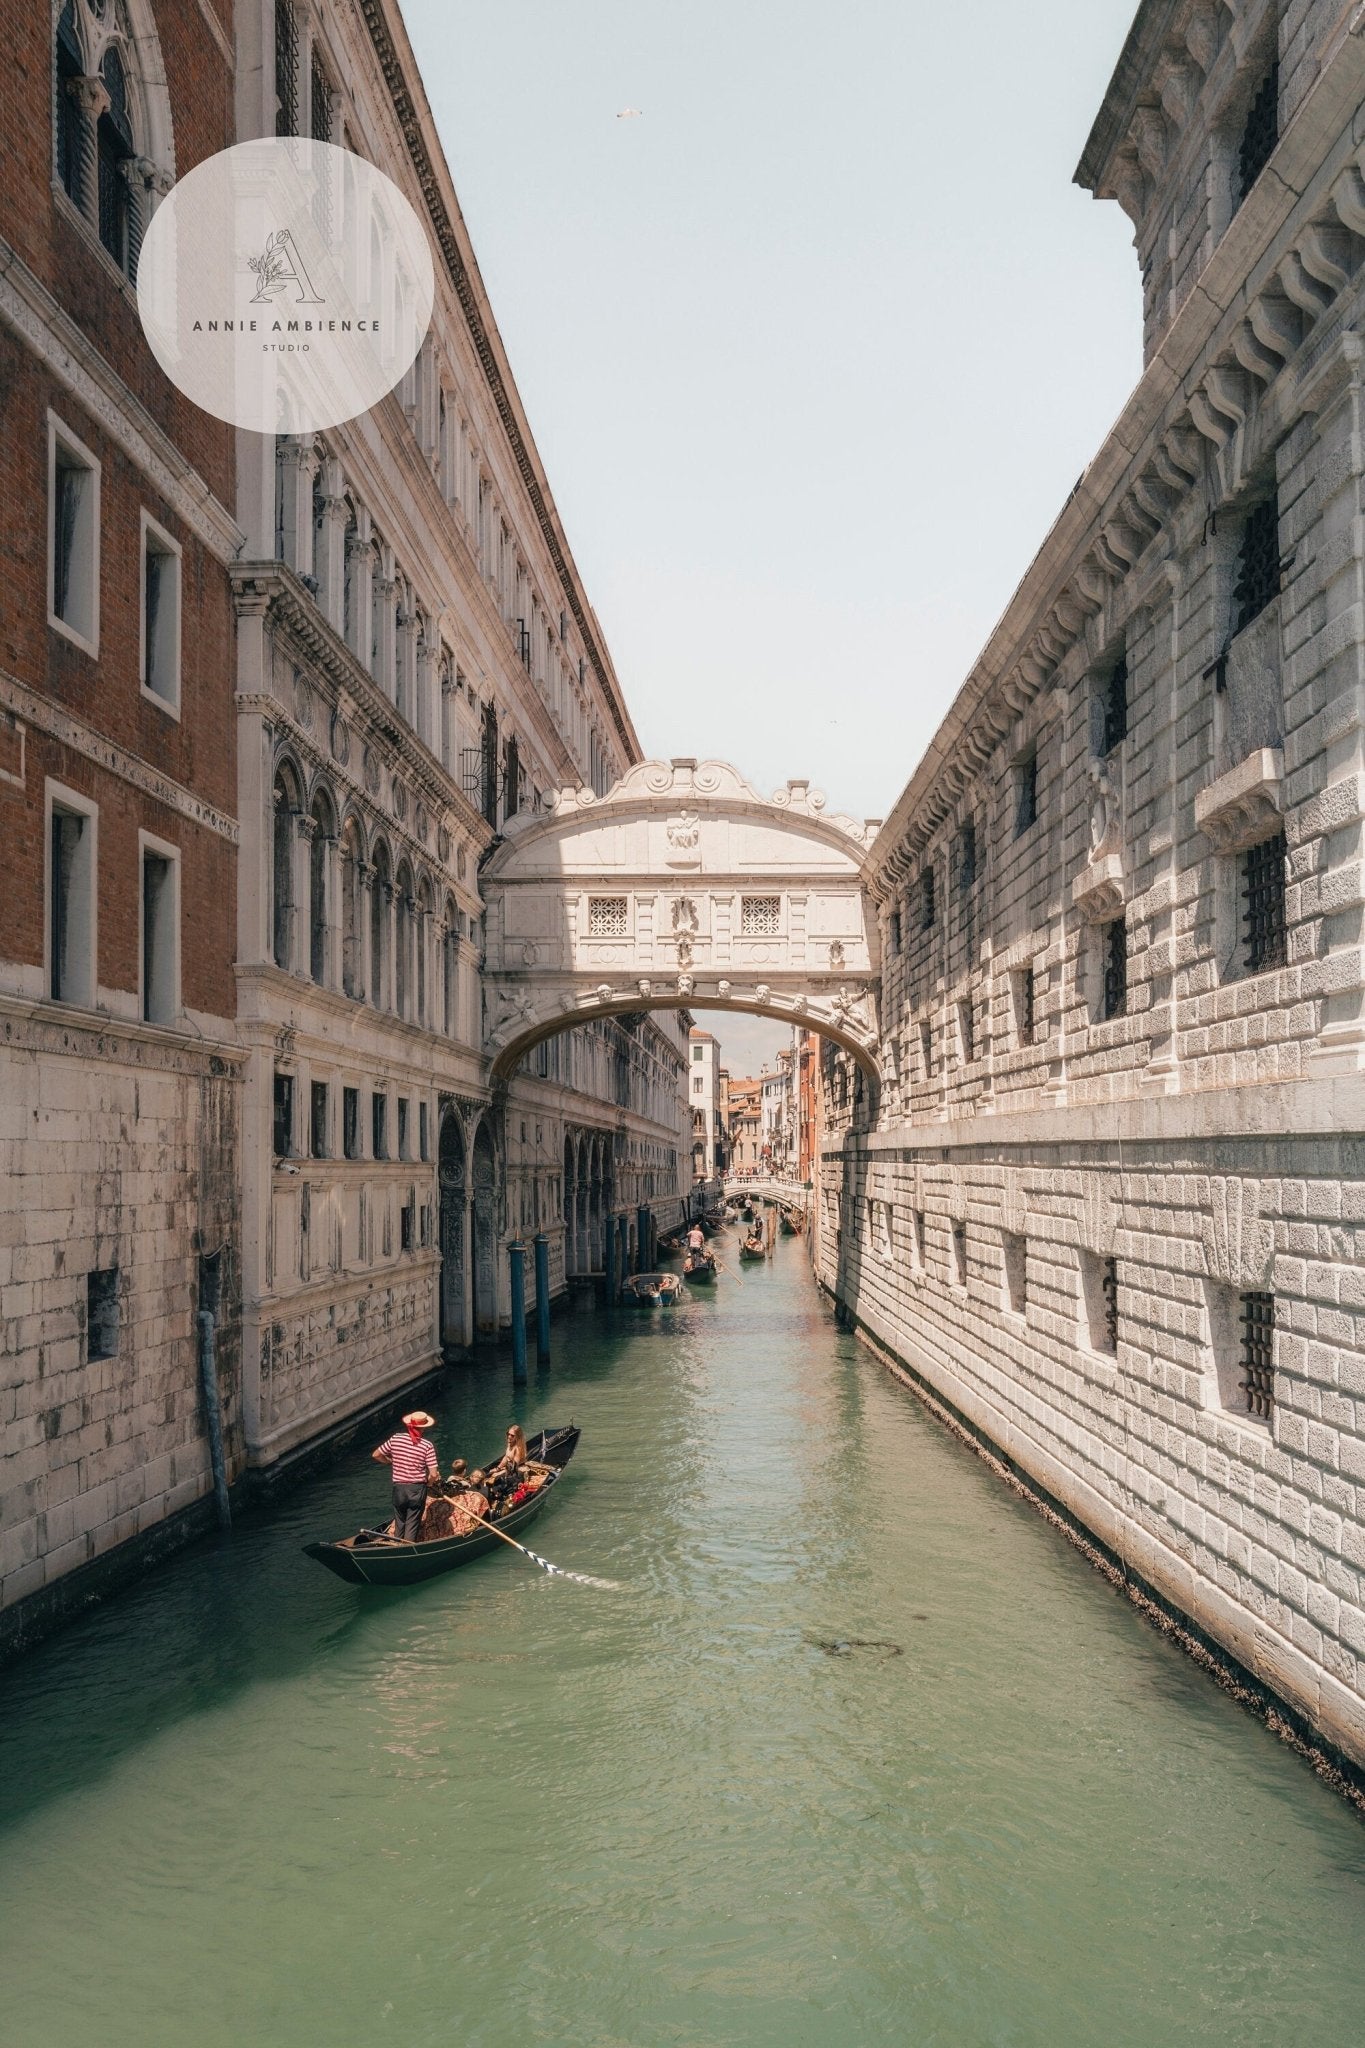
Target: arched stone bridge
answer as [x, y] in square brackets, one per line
[681, 887]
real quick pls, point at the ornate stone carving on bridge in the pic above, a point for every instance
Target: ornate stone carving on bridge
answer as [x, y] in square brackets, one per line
[773, 905]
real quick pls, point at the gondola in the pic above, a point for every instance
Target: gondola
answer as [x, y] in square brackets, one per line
[671, 1247]
[751, 1250]
[369, 1559]
[790, 1221]
[699, 1266]
[652, 1290]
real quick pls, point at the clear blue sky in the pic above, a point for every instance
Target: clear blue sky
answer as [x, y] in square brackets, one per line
[813, 349]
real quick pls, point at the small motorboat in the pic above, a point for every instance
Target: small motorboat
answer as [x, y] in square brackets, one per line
[699, 1266]
[652, 1290]
[369, 1558]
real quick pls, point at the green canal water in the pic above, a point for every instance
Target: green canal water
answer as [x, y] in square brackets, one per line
[246, 1804]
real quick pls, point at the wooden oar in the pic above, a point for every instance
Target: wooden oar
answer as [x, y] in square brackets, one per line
[558, 1570]
[721, 1267]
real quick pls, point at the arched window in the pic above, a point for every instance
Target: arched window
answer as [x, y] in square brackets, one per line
[319, 851]
[380, 892]
[112, 132]
[450, 968]
[115, 148]
[352, 911]
[286, 810]
[511, 778]
[70, 64]
[402, 948]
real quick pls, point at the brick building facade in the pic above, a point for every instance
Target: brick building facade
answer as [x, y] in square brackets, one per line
[1109, 1204]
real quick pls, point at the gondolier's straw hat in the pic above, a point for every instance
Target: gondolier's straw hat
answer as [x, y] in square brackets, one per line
[421, 1418]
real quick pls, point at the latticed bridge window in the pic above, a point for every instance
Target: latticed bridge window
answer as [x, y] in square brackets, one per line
[1258, 1354]
[1258, 563]
[1263, 879]
[606, 917]
[760, 917]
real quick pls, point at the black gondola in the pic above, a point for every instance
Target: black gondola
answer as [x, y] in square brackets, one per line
[753, 1248]
[370, 1559]
[699, 1266]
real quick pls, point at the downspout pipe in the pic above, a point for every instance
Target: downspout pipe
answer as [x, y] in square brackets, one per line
[213, 1412]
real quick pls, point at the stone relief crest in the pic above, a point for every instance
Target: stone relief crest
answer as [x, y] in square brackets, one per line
[370, 769]
[685, 916]
[683, 836]
[341, 740]
[303, 700]
[442, 843]
[400, 800]
[1239, 1244]
[836, 955]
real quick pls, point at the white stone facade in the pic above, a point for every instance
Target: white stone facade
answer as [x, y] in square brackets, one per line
[1110, 1203]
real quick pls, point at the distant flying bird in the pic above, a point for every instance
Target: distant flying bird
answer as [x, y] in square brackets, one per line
[630, 113]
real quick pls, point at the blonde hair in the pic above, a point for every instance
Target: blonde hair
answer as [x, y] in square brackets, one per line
[516, 1443]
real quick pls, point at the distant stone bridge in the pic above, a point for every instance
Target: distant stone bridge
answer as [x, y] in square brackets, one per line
[680, 888]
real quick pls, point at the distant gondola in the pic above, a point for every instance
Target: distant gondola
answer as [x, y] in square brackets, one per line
[370, 1559]
[699, 1266]
[753, 1248]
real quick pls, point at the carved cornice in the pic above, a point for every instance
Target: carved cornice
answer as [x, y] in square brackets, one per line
[431, 180]
[1100, 890]
[1245, 806]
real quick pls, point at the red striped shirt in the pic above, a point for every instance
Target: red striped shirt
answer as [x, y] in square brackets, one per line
[411, 1461]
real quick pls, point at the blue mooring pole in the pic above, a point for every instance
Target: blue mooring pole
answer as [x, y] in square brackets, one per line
[609, 1260]
[516, 1254]
[542, 1299]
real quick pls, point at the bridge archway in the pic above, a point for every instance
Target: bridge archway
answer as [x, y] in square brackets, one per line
[681, 887]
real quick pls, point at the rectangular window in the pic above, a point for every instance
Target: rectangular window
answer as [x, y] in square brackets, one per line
[405, 1222]
[966, 1030]
[1263, 906]
[894, 931]
[1261, 133]
[966, 859]
[926, 1048]
[160, 934]
[1114, 954]
[1258, 1354]
[1100, 1288]
[71, 900]
[697, 1051]
[1025, 1022]
[698, 1085]
[160, 624]
[959, 1252]
[760, 917]
[101, 1313]
[1258, 563]
[606, 917]
[917, 1240]
[1015, 1251]
[404, 1134]
[927, 907]
[1025, 794]
[423, 1131]
[73, 537]
[318, 1110]
[379, 1125]
[1113, 704]
[284, 1115]
[350, 1122]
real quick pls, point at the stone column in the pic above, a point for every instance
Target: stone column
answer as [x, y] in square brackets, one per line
[299, 955]
[385, 670]
[405, 659]
[364, 882]
[298, 460]
[387, 996]
[332, 889]
[360, 563]
[426, 656]
[329, 546]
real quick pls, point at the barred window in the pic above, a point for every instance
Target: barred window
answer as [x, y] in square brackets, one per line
[926, 1047]
[1026, 794]
[606, 917]
[959, 1238]
[966, 1024]
[966, 858]
[1263, 911]
[1258, 562]
[286, 69]
[1258, 1354]
[928, 909]
[1261, 133]
[760, 917]
[894, 931]
[1109, 1292]
[1114, 994]
[1114, 705]
[1023, 1005]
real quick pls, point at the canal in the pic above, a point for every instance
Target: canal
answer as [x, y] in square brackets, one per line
[862, 1752]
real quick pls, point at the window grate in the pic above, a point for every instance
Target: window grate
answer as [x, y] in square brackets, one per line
[928, 907]
[1115, 968]
[894, 931]
[966, 1015]
[284, 1115]
[1026, 1012]
[926, 1048]
[1026, 796]
[960, 1254]
[1109, 1295]
[1263, 888]
[1258, 563]
[101, 1314]
[1261, 133]
[966, 859]
[760, 917]
[286, 69]
[1116, 705]
[1258, 1354]
[606, 917]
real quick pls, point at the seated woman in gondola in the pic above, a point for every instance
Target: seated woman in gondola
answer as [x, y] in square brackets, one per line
[512, 1463]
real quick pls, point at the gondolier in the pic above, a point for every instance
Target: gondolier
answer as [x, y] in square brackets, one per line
[413, 1458]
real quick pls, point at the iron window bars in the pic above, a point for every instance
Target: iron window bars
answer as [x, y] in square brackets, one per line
[1026, 799]
[1258, 563]
[1263, 888]
[1115, 705]
[1109, 1294]
[1258, 1354]
[1115, 994]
